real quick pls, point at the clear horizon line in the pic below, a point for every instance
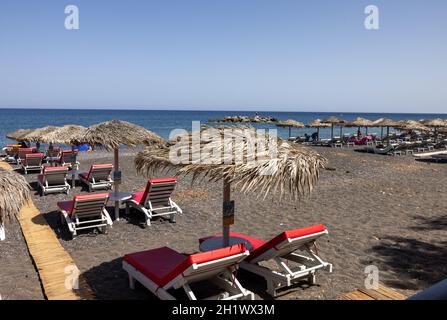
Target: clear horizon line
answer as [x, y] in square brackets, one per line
[205, 110]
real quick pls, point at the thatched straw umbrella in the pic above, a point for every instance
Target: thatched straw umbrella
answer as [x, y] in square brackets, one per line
[317, 123]
[435, 123]
[290, 123]
[333, 120]
[111, 135]
[238, 158]
[14, 192]
[18, 135]
[384, 122]
[63, 135]
[361, 122]
[36, 135]
[412, 125]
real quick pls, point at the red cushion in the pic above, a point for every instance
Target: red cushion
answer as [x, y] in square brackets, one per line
[49, 169]
[291, 234]
[34, 155]
[164, 264]
[155, 264]
[137, 196]
[66, 206]
[255, 243]
[90, 196]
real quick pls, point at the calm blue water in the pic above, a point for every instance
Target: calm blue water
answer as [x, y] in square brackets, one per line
[162, 122]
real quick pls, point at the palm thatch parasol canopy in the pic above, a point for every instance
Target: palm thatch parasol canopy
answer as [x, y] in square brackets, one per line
[64, 134]
[36, 134]
[294, 168]
[239, 155]
[290, 123]
[111, 134]
[318, 123]
[18, 135]
[412, 125]
[384, 122]
[360, 122]
[14, 192]
[434, 123]
[334, 120]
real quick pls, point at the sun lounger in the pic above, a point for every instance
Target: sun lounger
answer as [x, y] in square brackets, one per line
[22, 152]
[156, 200]
[32, 162]
[162, 269]
[10, 152]
[53, 179]
[86, 212]
[53, 155]
[98, 177]
[68, 158]
[429, 154]
[283, 249]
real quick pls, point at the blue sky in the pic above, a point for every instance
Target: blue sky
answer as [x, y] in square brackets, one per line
[283, 55]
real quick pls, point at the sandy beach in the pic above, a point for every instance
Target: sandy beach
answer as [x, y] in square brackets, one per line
[384, 211]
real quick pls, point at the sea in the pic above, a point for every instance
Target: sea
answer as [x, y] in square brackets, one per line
[163, 122]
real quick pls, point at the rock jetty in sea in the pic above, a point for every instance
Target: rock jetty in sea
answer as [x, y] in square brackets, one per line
[237, 119]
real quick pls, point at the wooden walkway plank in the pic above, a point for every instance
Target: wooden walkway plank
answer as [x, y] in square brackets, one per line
[50, 258]
[381, 293]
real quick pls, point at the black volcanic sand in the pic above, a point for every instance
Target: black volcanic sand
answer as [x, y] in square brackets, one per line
[384, 211]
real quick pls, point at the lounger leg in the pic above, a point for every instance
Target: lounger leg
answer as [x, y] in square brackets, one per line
[131, 282]
[2, 232]
[189, 292]
[312, 278]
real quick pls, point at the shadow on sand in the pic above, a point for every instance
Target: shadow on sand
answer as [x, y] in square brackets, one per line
[417, 264]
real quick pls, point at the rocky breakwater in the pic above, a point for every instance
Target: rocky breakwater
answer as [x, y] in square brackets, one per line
[244, 119]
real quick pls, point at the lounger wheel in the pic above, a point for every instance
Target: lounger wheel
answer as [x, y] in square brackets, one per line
[172, 219]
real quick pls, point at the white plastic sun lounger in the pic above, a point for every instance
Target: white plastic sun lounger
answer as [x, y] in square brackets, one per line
[156, 200]
[99, 177]
[429, 154]
[53, 179]
[68, 158]
[162, 269]
[32, 162]
[283, 250]
[86, 212]
[21, 154]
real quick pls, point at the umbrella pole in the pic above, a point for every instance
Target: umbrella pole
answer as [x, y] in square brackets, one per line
[341, 133]
[226, 200]
[366, 131]
[116, 186]
[318, 133]
[289, 131]
[381, 133]
[332, 131]
[388, 135]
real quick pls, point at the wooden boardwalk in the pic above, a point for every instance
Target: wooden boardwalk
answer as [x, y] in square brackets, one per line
[55, 266]
[381, 293]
